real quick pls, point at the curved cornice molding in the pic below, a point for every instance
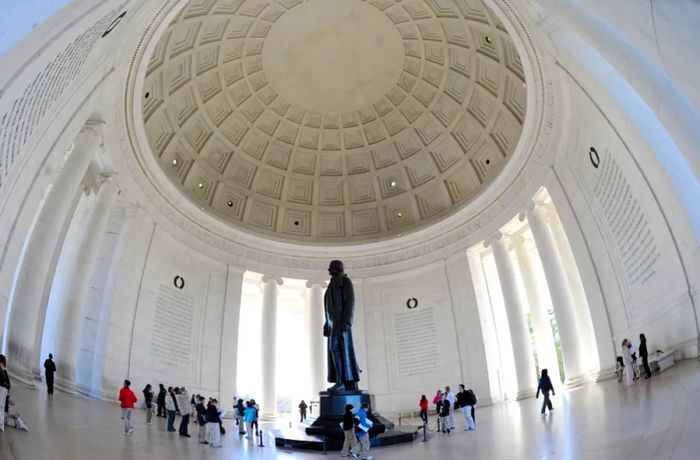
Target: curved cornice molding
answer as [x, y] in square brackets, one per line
[507, 195]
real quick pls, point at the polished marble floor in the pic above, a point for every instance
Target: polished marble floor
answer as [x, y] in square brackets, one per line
[656, 419]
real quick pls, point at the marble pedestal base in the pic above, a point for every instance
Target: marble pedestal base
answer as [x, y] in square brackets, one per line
[332, 409]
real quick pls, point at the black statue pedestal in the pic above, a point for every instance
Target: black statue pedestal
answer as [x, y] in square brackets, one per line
[331, 414]
[326, 434]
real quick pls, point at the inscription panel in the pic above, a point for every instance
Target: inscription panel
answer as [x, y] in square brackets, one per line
[27, 111]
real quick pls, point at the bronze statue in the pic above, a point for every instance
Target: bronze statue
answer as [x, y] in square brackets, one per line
[339, 306]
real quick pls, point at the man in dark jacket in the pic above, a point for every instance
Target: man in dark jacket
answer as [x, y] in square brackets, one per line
[644, 354]
[339, 303]
[49, 371]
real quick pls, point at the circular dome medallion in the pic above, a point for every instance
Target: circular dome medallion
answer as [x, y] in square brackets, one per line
[333, 56]
[333, 121]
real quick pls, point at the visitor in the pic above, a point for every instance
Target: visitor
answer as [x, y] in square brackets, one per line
[4, 391]
[239, 410]
[450, 397]
[423, 409]
[445, 414]
[350, 439]
[628, 361]
[202, 420]
[249, 419]
[545, 386]
[644, 354]
[302, 411]
[183, 401]
[127, 398]
[619, 368]
[464, 399]
[473, 400]
[148, 398]
[256, 412]
[361, 448]
[171, 408]
[213, 422]
[49, 371]
[437, 401]
[160, 400]
[633, 353]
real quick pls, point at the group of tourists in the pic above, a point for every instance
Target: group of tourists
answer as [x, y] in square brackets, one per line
[356, 432]
[246, 414]
[173, 401]
[446, 403]
[627, 363]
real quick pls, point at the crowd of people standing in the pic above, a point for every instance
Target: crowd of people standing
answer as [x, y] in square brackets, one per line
[446, 403]
[206, 414]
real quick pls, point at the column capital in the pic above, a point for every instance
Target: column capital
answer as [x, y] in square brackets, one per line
[312, 283]
[271, 278]
[493, 238]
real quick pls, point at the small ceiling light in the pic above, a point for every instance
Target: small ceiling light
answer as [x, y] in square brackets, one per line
[488, 39]
[200, 185]
[399, 214]
[488, 162]
[392, 183]
[175, 162]
[229, 204]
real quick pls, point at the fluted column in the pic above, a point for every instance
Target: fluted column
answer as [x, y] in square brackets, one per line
[526, 374]
[317, 343]
[268, 346]
[72, 305]
[30, 293]
[229, 334]
[562, 300]
[544, 337]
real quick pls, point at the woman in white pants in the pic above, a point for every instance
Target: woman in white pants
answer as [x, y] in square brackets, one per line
[213, 421]
[627, 360]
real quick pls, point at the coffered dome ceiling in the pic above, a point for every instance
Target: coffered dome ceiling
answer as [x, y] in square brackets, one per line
[333, 120]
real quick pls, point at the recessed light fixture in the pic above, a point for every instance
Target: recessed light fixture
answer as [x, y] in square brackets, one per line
[200, 185]
[392, 183]
[488, 39]
[175, 162]
[488, 162]
[229, 204]
[147, 94]
[399, 214]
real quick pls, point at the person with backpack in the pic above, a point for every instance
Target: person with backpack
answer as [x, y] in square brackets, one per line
[363, 425]
[473, 400]
[545, 386]
[465, 404]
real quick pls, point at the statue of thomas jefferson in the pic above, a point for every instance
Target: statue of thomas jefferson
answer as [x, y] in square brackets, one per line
[339, 306]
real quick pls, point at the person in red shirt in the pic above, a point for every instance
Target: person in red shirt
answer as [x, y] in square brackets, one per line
[424, 409]
[127, 398]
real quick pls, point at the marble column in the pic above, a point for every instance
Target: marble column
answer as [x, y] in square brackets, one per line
[30, 293]
[562, 300]
[268, 337]
[72, 305]
[229, 334]
[516, 311]
[544, 336]
[317, 343]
